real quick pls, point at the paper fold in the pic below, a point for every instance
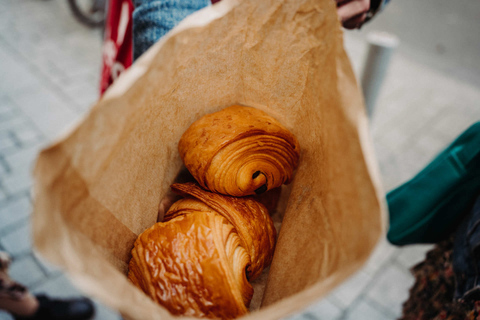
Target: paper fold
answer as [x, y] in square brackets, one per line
[99, 187]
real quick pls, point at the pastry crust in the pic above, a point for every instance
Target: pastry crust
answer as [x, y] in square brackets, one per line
[195, 262]
[249, 217]
[239, 151]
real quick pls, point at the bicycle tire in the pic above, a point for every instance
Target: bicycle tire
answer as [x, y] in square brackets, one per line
[84, 19]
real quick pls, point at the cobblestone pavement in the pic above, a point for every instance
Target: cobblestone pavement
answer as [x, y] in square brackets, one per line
[49, 74]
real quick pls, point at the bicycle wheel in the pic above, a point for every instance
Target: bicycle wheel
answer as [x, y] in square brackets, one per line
[89, 12]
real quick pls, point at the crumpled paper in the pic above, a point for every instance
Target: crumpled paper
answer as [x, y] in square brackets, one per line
[99, 187]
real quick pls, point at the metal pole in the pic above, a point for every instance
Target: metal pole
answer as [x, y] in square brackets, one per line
[381, 47]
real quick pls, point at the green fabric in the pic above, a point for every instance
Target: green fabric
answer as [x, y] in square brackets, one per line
[427, 208]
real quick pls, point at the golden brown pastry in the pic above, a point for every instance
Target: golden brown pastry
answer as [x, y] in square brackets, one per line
[196, 262]
[239, 151]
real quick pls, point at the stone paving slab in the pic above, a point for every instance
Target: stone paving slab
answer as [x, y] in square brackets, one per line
[12, 212]
[323, 310]
[27, 271]
[411, 255]
[350, 290]
[5, 316]
[49, 112]
[365, 310]
[18, 241]
[390, 288]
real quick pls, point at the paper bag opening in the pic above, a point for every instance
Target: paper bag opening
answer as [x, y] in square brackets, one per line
[98, 188]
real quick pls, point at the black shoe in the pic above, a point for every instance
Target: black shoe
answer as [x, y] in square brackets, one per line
[55, 309]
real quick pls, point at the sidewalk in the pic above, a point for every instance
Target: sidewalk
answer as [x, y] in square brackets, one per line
[50, 69]
[50, 66]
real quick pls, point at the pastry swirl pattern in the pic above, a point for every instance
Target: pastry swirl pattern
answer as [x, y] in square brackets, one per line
[239, 151]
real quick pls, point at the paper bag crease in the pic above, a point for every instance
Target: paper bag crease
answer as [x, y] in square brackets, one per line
[97, 189]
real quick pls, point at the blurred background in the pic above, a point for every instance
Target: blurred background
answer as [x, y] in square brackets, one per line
[50, 70]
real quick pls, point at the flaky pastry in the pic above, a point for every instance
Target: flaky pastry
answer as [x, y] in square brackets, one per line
[239, 151]
[198, 261]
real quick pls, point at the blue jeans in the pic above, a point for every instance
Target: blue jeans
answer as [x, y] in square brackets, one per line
[152, 19]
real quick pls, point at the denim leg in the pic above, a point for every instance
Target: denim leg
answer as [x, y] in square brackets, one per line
[466, 255]
[152, 19]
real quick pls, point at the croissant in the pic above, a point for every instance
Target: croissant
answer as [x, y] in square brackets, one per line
[197, 262]
[239, 151]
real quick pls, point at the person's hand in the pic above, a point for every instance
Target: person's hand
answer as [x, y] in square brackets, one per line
[352, 12]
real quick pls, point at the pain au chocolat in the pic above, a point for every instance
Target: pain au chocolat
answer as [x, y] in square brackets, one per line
[239, 151]
[198, 261]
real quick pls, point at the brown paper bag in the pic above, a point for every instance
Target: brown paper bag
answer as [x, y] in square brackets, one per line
[100, 187]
